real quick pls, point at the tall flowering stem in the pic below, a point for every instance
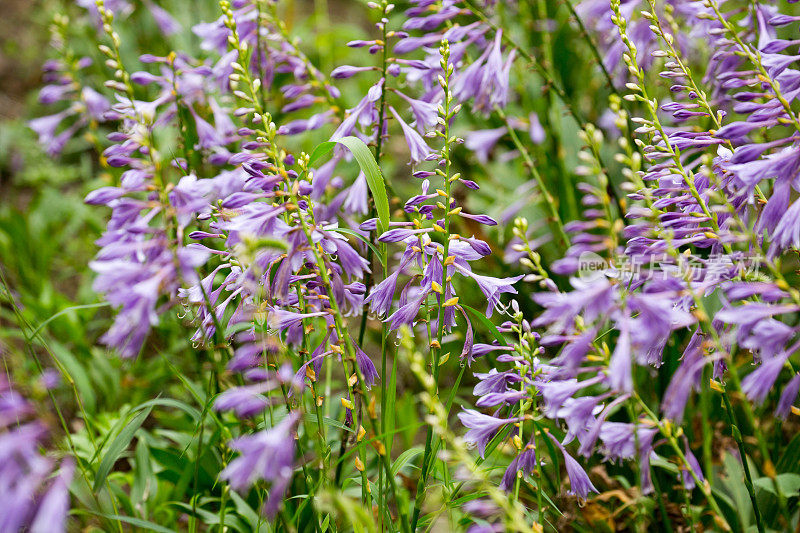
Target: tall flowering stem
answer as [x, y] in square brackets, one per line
[446, 114]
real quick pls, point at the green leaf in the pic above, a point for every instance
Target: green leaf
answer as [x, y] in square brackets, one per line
[138, 522]
[657, 460]
[366, 161]
[790, 460]
[65, 311]
[145, 482]
[169, 402]
[253, 518]
[213, 519]
[486, 323]
[788, 483]
[321, 150]
[76, 372]
[352, 512]
[405, 458]
[328, 421]
[117, 446]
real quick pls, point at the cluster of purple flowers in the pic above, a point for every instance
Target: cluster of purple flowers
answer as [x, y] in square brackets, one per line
[34, 489]
[254, 241]
[725, 190]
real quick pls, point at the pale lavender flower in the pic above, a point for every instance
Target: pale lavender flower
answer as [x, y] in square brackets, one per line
[491, 287]
[267, 455]
[579, 483]
[525, 462]
[787, 397]
[366, 367]
[481, 427]
[535, 129]
[757, 384]
[481, 142]
[166, 22]
[417, 146]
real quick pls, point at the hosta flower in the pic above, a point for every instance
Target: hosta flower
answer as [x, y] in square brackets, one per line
[267, 455]
[33, 489]
[417, 146]
[481, 427]
[579, 483]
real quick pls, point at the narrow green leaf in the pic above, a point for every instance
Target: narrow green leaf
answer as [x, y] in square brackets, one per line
[391, 410]
[253, 518]
[213, 519]
[328, 421]
[77, 373]
[486, 323]
[170, 402]
[145, 482]
[117, 446]
[64, 311]
[790, 460]
[138, 522]
[405, 458]
[370, 169]
[321, 150]
[553, 506]
[366, 161]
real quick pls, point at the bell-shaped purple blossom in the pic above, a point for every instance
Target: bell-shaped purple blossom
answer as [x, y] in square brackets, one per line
[524, 462]
[481, 142]
[787, 397]
[481, 427]
[417, 146]
[579, 483]
[267, 455]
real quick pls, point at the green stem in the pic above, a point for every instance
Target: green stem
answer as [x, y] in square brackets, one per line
[555, 219]
[661, 507]
[748, 481]
[436, 347]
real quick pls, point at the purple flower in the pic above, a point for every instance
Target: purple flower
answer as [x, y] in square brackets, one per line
[267, 455]
[491, 287]
[759, 382]
[787, 397]
[246, 401]
[481, 142]
[416, 144]
[357, 197]
[685, 379]
[481, 427]
[579, 483]
[693, 466]
[366, 367]
[620, 376]
[280, 319]
[524, 462]
[347, 71]
[52, 513]
[787, 231]
[166, 23]
[380, 298]
[425, 113]
[408, 312]
[535, 129]
[96, 104]
[556, 392]
[31, 500]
